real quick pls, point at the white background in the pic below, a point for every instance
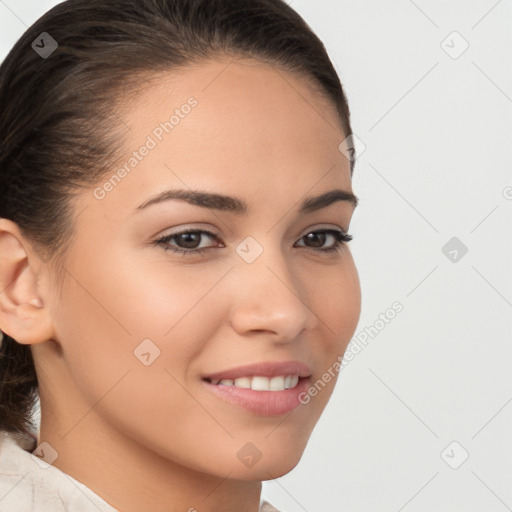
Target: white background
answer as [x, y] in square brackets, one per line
[436, 130]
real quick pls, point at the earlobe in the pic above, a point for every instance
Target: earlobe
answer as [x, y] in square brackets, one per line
[24, 315]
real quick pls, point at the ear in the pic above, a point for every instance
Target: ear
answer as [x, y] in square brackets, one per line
[24, 313]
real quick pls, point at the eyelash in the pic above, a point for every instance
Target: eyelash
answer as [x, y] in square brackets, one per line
[340, 240]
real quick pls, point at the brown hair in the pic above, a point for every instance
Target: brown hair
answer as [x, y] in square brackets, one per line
[60, 131]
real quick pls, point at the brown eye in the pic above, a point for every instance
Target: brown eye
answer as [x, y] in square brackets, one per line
[186, 242]
[316, 240]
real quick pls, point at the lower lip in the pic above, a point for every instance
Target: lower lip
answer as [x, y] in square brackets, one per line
[262, 403]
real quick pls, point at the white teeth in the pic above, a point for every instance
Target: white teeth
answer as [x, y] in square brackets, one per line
[242, 382]
[259, 383]
[277, 383]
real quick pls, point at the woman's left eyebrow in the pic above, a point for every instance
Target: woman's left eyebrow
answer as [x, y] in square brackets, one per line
[316, 203]
[239, 206]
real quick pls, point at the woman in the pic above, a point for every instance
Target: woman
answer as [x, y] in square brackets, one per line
[177, 289]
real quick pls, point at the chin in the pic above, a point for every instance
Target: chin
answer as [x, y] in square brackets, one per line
[270, 467]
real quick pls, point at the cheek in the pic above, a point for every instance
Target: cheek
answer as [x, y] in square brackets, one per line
[334, 296]
[158, 296]
[101, 326]
[125, 301]
[132, 322]
[336, 300]
[347, 297]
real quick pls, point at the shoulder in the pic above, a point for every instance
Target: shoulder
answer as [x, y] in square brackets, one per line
[28, 484]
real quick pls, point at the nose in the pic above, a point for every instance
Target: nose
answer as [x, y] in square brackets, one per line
[268, 298]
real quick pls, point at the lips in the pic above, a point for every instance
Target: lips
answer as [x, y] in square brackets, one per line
[274, 387]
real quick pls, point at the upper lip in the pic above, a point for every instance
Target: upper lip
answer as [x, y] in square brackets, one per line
[263, 369]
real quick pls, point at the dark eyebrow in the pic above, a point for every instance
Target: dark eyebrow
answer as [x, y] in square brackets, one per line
[236, 205]
[315, 203]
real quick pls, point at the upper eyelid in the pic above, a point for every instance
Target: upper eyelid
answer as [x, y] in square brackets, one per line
[212, 233]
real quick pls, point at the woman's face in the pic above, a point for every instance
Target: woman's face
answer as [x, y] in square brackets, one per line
[144, 333]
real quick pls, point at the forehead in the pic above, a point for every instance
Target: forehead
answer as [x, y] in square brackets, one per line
[235, 98]
[239, 125]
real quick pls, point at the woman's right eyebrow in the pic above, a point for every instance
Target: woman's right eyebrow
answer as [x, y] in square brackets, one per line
[236, 205]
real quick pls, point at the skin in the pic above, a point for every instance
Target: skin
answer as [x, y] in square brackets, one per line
[151, 437]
